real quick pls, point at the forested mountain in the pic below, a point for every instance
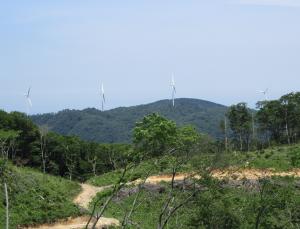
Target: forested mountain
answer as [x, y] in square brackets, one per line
[116, 125]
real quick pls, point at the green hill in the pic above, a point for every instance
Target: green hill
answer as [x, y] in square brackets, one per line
[116, 125]
[35, 198]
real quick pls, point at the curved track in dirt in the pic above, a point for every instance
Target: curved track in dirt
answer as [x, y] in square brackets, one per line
[86, 195]
[233, 174]
[89, 192]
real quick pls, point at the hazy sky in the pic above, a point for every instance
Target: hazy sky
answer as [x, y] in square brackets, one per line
[219, 50]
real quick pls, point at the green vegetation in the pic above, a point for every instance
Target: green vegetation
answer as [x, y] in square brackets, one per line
[265, 139]
[26, 144]
[35, 198]
[115, 126]
[162, 165]
[216, 204]
[281, 158]
[275, 122]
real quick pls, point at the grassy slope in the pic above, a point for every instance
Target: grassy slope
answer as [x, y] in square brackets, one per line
[153, 167]
[233, 207]
[36, 198]
[280, 158]
[238, 204]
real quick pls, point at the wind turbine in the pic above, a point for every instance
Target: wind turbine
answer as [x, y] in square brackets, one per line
[265, 92]
[173, 90]
[102, 96]
[28, 100]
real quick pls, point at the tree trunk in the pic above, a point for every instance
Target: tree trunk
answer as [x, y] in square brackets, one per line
[44, 166]
[287, 133]
[287, 128]
[241, 142]
[7, 206]
[225, 134]
[94, 168]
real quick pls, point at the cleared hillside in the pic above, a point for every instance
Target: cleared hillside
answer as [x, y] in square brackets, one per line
[35, 198]
[114, 126]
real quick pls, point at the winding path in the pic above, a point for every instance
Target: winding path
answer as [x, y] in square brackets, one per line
[231, 173]
[83, 199]
[89, 192]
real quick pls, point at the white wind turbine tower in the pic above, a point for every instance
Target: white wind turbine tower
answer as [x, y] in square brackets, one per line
[265, 92]
[102, 96]
[28, 100]
[173, 90]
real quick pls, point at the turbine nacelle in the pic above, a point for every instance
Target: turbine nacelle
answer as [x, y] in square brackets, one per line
[264, 92]
[27, 96]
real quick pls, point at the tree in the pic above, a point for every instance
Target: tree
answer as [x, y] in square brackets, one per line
[43, 130]
[3, 178]
[291, 108]
[8, 142]
[154, 135]
[240, 123]
[71, 148]
[224, 129]
[187, 138]
[94, 154]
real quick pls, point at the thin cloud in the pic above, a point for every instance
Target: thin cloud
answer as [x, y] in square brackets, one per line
[287, 3]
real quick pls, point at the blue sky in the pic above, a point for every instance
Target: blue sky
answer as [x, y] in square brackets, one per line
[219, 50]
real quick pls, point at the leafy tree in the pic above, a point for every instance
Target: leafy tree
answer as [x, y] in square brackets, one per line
[291, 112]
[240, 123]
[154, 135]
[189, 141]
[71, 146]
[8, 142]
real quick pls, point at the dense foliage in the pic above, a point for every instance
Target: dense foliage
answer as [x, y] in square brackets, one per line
[265, 203]
[159, 146]
[24, 143]
[35, 198]
[115, 126]
[275, 122]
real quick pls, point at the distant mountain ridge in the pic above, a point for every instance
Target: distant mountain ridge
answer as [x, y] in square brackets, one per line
[116, 125]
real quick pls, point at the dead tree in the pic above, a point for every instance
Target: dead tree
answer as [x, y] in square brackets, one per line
[43, 146]
[8, 143]
[93, 162]
[115, 190]
[70, 161]
[225, 134]
[4, 148]
[127, 216]
[167, 210]
[7, 206]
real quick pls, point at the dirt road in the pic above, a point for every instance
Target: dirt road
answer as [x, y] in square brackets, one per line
[234, 174]
[86, 195]
[89, 192]
[77, 223]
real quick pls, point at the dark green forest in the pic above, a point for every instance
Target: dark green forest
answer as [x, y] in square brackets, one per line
[115, 126]
[25, 143]
[264, 139]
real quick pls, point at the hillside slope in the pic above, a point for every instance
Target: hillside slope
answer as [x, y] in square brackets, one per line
[114, 126]
[35, 198]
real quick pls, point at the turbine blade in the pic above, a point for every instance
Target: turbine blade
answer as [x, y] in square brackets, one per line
[102, 88]
[29, 102]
